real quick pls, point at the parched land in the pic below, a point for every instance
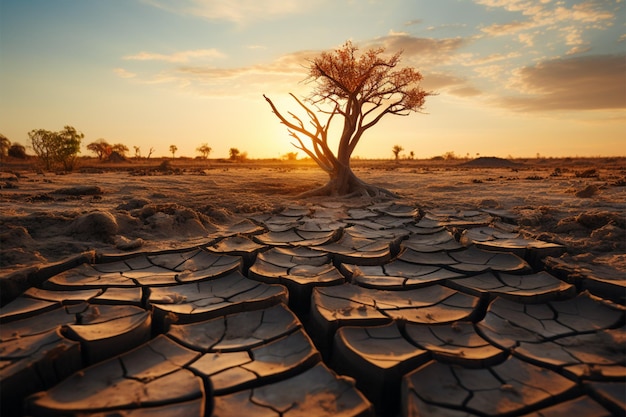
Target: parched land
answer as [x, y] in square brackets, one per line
[187, 287]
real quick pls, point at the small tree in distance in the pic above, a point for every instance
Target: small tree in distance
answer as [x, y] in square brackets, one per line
[204, 150]
[5, 145]
[173, 149]
[361, 89]
[291, 156]
[396, 151]
[57, 148]
[120, 148]
[101, 148]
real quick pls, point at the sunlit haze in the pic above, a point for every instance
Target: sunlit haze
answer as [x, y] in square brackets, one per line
[514, 77]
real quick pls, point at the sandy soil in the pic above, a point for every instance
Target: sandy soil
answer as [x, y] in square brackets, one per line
[47, 217]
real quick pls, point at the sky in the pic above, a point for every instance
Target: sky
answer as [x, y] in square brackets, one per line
[513, 78]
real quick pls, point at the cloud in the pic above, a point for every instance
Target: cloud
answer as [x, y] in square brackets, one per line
[177, 57]
[546, 15]
[489, 59]
[580, 83]
[414, 22]
[122, 73]
[439, 81]
[283, 74]
[508, 28]
[236, 11]
[424, 51]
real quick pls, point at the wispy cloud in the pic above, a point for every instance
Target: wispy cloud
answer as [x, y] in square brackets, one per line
[177, 57]
[451, 84]
[545, 15]
[237, 11]
[122, 73]
[419, 51]
[579, 83]
[284, 73]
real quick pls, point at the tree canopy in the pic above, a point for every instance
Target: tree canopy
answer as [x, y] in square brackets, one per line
[204, 150]
[361, 89]
[57, 148]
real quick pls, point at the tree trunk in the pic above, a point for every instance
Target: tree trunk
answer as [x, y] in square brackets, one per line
[343, 182]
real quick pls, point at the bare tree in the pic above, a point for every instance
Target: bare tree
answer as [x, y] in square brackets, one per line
[396, 151]
[137, 152]
[361, 89]
[150, 152]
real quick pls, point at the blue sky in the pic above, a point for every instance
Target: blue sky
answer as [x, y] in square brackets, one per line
[513, 77]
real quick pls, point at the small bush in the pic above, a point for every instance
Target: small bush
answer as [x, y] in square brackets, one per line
[17, 151]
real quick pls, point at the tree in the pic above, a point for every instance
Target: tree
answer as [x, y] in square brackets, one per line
[204, 150]
[450, 156]
[17, 151]
[101, 148]
[291, 156]
[396, 151]
[233, 154]
[150, 152]
[5, 144]
[57, 148]
[361, 89]
[173, 149]
[137, 152]
[120, 148]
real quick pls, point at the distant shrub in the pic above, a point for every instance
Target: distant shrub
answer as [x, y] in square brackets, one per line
[17, 151]
[450, 156]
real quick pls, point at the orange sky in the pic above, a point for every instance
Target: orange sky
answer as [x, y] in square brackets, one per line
[514, 78]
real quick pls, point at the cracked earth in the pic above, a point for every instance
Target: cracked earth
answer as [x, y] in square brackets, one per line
[377, 309]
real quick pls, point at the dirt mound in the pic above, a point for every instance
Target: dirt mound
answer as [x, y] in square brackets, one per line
[116, 157]
[80, 190]
[99, 225]
[588, 192]
[171, 219]
[490, 162]
[16, 247]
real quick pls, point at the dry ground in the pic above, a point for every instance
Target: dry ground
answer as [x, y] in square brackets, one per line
[147, 206]
[176, 203]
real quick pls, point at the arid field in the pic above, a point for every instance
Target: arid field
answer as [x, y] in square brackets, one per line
[387, 307]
